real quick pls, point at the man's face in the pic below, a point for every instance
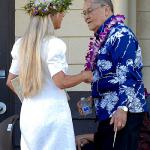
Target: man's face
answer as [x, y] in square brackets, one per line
[94, 14]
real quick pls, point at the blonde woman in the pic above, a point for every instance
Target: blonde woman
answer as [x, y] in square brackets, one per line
[39, 61]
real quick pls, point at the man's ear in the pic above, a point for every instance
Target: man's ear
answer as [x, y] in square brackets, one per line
[107, 11]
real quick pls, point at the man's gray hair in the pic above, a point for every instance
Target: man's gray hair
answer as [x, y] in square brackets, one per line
[106, 2]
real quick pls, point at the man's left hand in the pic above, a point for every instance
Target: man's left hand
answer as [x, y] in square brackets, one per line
[119, 119]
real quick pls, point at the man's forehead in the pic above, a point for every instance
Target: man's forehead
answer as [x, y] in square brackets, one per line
[92, 1]
[89, 4]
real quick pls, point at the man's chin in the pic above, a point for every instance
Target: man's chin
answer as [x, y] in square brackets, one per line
[91, 29]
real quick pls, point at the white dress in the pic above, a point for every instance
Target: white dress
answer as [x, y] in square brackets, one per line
[45, 119]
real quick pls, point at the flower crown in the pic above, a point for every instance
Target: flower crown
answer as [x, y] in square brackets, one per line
[44, 8]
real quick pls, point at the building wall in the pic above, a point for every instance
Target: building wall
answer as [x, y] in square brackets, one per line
[76, 35]
[143, 34]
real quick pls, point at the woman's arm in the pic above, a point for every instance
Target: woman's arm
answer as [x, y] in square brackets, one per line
[8, 83]
[66, 81]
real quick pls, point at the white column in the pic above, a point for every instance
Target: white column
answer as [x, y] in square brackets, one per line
[132, 15]
[127, 8]
[121, 7]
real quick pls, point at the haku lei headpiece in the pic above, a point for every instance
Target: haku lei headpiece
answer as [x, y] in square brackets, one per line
[96, 43]
[47, 7]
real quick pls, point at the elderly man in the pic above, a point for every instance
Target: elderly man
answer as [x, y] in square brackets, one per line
[115, 59]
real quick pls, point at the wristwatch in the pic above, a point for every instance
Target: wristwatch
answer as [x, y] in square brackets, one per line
[124, 108]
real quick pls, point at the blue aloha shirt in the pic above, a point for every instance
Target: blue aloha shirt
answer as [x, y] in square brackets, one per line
[117, 74]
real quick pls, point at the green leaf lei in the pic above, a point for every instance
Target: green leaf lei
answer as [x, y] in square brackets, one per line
[45, 8]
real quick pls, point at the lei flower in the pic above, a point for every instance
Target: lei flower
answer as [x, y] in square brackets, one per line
[96, 43]
[45, 7]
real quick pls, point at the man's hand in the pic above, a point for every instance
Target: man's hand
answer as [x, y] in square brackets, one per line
[84, 139]
[119, 119]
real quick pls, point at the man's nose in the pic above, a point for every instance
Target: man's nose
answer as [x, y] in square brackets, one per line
[86, 18]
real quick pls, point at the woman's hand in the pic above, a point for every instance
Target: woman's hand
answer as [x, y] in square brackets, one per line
[87, 76]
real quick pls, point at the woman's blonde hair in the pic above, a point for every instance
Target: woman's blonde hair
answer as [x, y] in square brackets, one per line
[30, 60]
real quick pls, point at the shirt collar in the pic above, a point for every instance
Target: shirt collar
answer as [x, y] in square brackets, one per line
[101, 28]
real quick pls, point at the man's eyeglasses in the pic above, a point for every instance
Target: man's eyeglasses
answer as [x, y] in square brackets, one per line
[89, 11]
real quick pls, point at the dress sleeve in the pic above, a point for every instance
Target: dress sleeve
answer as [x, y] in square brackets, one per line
[56, 59]
[14, 68]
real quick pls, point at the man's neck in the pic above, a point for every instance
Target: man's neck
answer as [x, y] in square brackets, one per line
[104, 21]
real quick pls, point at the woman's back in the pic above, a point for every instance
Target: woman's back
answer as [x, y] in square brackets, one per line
[53, 59]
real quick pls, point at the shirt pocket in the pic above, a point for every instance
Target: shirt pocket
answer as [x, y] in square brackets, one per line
[104, 65]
